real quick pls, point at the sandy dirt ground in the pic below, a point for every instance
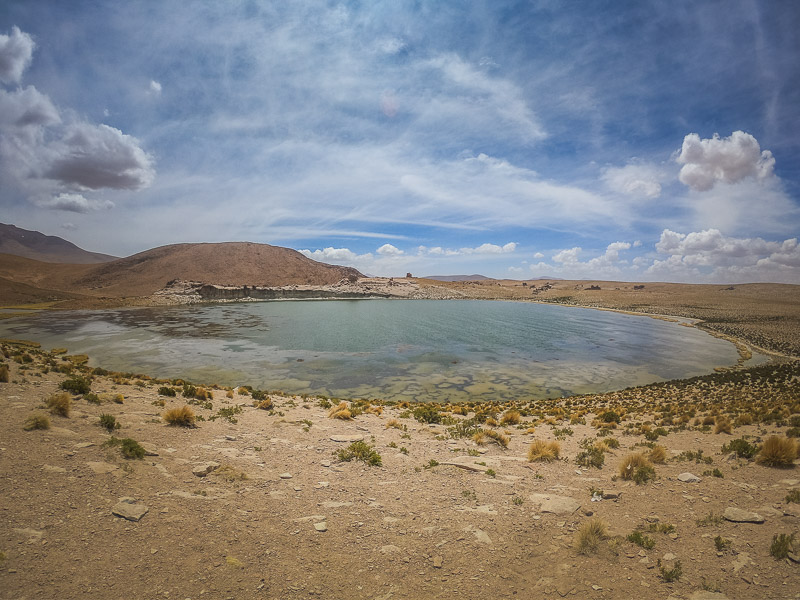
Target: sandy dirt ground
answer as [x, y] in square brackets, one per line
[256, 503]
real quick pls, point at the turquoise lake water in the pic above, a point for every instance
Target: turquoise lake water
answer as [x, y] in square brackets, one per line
[425, 350]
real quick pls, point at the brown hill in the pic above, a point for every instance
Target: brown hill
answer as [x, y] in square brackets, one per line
[229, 263]
[45, 248]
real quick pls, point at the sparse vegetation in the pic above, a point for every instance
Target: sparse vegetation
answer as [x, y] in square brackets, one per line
[635, 467]
[427, 413]
[670, 575]
[76, 385]
[167, 391]
[741, 447]
[541, 451]
[59, 403]
[130, 448]
[722, 544]
[589, 536]
[109, 422]
[182, 416]
[37, 421]
[777, 452]
[340, 411]
[793, 496]
[360, 451]
[782, 545]
[638, 538]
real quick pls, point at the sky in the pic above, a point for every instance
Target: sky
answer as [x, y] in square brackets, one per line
[624, 140]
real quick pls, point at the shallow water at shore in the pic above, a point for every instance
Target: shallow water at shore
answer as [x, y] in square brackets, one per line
[392, 349]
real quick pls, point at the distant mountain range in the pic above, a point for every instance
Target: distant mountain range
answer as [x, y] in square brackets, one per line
[457, 277]
[45, 248]
[35, 267]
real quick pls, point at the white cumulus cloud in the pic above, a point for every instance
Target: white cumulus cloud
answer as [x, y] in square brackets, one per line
[75, 203]
[16, 51]
[331, 254]
[389, 250]
[727, 160]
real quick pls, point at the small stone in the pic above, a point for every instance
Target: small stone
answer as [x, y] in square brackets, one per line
[128, 509]
[205, 469]
[611, 494]
[230, 438]
[84, 445]
[321, 527]
[437, 562]
[669, 556]
[352, 437]
[325, 463]
[738, 515]
[688, 478]
[285, 475]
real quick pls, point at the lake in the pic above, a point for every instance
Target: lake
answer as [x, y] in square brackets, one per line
[424, 350]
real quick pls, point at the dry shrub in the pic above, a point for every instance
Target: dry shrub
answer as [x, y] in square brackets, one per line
[745, 419]
[531, 430]
[541, 451]
[183, 416]
[636, 467]
[340, 411]
[723, 425]
[511, 417]
[709, 420]
[497, 437]
[491, 422]
[589, 536]
[777, 452]
[604, 445]
[479, 438]
[374, 410]
[37, 421]
[3, 374]
[229, 394]
[265, 404]
[59, 404]
[229, 473]
[657, 455]
[394, 423]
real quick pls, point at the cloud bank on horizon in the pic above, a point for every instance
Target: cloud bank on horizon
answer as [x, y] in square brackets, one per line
[513, 139]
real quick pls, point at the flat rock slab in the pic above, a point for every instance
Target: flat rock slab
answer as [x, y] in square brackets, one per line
[101, 467]
[129, 510]
[557, 505]
[352, 437]
[688, 478]
[704, 595]
[738, 515]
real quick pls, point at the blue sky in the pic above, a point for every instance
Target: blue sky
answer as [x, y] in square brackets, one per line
[641, 140]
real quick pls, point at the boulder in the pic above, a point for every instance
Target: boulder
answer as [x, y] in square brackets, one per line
[738, 515]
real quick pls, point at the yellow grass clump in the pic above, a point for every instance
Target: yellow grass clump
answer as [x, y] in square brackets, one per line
[59, 404]
[374, 410]
[589, 536]
[394, 423]
[777, 452]
[265, 404]
[657, 455]
[636, 467]
[723, 425]
[511, 417]
[541, 451]
[3, 374]
[183, 416]
[500, 439]
[37, 421]
[340, 411]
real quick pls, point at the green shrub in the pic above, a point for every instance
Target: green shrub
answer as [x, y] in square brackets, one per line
[76, 385]
[782, 545]
[793, 496]
[741, 447]
[427, 413]
[92, 398]
[360, 451]
[610, 417]
[167, 391]
[109, 422]
[721, 544]
[670, 575]
[642, 540]
[130, 448]
[591, 457]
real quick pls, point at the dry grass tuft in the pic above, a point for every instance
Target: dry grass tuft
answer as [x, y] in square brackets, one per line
[511, 417]
[589, 536]
[479, 438]
[657, 455]
[59, 404]
[777, 452]
[229, 473]
[374, 410]
[394, 423]
[3, 374]
[341, 411]
[500, 439]
[541, 451]
[723, 426]
[636, 467]
[37, 421]
[183, 416]
[265, 404]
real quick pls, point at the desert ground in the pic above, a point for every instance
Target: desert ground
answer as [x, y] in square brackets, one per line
[435, 502]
